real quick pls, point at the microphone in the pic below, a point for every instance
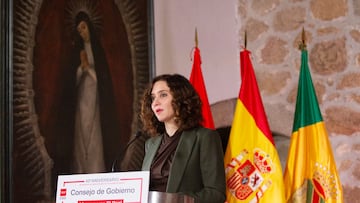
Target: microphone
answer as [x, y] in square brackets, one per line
[122, 152]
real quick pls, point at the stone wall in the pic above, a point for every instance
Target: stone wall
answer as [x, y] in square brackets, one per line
[332, 30]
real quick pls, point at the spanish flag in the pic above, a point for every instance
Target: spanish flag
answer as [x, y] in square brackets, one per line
[197, 80]
[252, 165]
[310, 175]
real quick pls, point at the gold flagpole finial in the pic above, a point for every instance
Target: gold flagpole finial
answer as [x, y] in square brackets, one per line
[303, 40]
[245, 40]
[196, 38]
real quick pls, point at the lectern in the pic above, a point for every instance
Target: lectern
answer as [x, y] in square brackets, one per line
[164, 197]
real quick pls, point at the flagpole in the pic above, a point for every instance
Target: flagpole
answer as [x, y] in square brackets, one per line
[245, 40]
[302, 45]
[196, 38]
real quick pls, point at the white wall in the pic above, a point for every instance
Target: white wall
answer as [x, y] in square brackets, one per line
[175, 22]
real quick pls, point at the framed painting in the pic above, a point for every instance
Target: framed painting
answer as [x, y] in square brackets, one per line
[78, 71]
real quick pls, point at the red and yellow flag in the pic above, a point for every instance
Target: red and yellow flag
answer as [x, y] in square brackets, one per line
[252, 165]
[197, 80]
[310, 175]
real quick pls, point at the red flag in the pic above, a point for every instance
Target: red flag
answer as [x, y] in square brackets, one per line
[197, 80]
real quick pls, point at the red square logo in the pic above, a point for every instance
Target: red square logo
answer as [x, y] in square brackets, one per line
[63, 192]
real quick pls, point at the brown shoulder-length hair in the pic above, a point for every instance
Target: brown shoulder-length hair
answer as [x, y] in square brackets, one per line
[186, 103]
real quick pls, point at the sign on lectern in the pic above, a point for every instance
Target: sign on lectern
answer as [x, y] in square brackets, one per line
[119, 187]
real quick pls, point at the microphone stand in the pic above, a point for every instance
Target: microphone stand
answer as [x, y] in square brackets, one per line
[122, 152]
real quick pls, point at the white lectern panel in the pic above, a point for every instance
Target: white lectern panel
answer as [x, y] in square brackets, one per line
[122, 187]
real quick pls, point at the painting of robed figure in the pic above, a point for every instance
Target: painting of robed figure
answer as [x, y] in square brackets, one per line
[80, 67]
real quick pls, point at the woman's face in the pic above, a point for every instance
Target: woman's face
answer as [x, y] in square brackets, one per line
[83, 31]
[162, 102]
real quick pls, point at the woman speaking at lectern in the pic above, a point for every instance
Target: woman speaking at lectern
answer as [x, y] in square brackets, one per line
[182, 156]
